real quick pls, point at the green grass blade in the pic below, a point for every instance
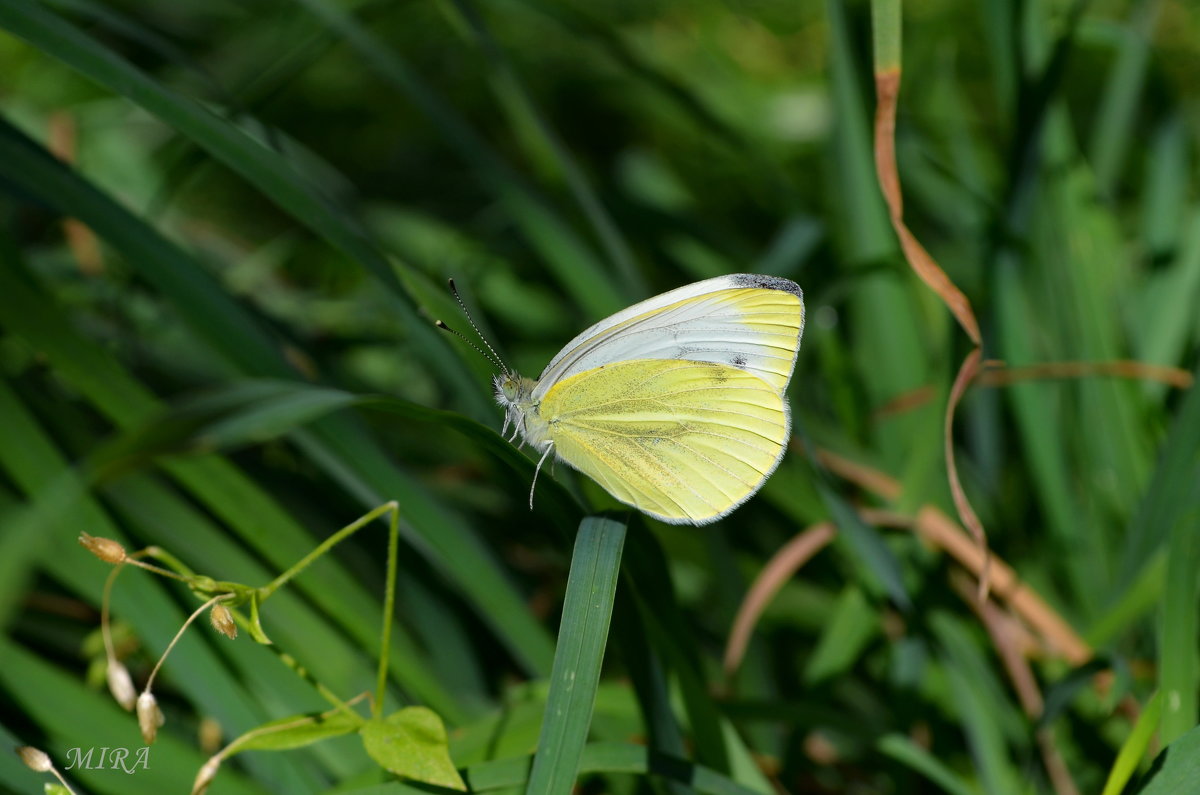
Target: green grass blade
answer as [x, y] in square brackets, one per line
[1137, 600]
[872, 557]
[1170, 294]
[648, 677]
[507, 774]
[908, 753]
[260, 165]
[1117, 116]
[1038, 418]
[649, 582]
[578, 269]
[348, 454]
[582, 638]
[622, 758]
[1179, 624]
[853, 622]
[260, 522]
[526, 116]
[1134, 749]
[226, 326]
[1165, 195]
[863, 229]
[188, 287]
[45, 476]
[1171, 493]
[978, 706]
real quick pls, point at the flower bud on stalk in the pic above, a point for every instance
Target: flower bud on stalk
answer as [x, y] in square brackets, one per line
[150, 717]
[120, 684]
[106, 549]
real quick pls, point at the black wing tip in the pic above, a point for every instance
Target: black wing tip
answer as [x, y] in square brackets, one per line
[763, 282]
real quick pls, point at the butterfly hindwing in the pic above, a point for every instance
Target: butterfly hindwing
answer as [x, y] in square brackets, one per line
[685, 441]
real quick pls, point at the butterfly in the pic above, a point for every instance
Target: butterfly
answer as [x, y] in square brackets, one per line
[676, 405]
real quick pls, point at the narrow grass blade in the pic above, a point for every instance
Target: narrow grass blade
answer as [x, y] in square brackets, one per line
[508, 774]
[526, 116]
[908, 753]
[42, 472]
[985, 717]
[259, 521]
[853, 622]
[220, 321]
[1133, 750]
[1118, 114]
[1166, 187]
[583, 636]
[216, 317]
[576, 265]
[1179, 622]
[864, 230]
[1171, 493]
[713, 737]
[880, 569]
[646, 674]
[1171, 293]
[665, 623]
[262, 166]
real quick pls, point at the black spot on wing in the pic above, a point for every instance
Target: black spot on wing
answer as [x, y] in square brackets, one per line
[738, 362]
[768, 283]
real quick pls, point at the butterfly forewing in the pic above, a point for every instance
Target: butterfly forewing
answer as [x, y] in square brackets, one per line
[685, 441]
[749, 322]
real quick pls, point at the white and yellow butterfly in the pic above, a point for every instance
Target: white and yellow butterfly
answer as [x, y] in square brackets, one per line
[675, 405]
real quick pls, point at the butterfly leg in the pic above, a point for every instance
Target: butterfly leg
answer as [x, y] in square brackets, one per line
[542, 460]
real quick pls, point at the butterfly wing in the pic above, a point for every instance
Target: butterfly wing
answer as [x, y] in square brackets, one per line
[745, 321]
[684, 441]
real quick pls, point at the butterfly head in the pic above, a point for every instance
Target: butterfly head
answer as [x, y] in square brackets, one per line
[513, 390]
[514, 393]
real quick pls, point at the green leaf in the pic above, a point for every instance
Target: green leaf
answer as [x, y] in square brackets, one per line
[412, 743]
[1177, 768]
[297, 731]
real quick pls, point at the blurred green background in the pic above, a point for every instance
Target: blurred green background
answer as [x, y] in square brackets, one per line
[225, 229]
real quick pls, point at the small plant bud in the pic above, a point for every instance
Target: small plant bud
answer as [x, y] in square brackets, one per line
[120, 684]
[208, 735]
[150, 717]
[207, 773]
[222, 621]
[35, 759]
[106, 549]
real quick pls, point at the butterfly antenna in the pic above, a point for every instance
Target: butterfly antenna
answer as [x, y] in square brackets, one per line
[495, 357]
[475, 347]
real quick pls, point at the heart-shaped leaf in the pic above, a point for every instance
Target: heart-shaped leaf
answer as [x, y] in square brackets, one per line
[412, 743]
